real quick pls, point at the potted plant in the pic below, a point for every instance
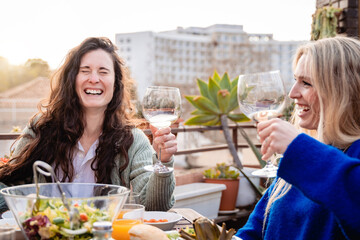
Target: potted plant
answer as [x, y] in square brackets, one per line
[223, 174]
[215, 106]
[325, 22]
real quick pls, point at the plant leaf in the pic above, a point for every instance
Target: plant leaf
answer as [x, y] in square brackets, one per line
[244, 91]
[213, 91]
[233, 102]
[216, 77]
[253, 147]
[214, 122]
[225, 82]
[223, 99]
[205, 105]
[234, 82]
[199, 112]
[238, 117]
[203, 87]
[191, 100]
[200, 119]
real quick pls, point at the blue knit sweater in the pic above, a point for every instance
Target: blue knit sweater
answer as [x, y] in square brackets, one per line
[324, 201]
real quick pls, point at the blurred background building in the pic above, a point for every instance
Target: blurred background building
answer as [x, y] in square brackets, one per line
[178, 57]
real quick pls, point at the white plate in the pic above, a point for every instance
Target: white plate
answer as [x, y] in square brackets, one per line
[172, 218]
[7, 214]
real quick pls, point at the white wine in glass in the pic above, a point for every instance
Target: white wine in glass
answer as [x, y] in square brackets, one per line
[161, 107]
[261, 96]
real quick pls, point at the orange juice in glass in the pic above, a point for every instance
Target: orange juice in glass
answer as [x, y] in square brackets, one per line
[130, 215]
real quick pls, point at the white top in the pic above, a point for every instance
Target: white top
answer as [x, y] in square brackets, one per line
[82, 164]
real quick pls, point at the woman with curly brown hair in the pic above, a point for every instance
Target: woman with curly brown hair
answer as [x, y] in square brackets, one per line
[84, 130]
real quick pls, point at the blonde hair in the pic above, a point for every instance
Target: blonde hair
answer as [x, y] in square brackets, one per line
[334, 64]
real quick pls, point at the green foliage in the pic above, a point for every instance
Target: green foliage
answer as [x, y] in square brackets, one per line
[218, 97]
[325, 22]
[11, 75]
[37, 67]
[221, 171]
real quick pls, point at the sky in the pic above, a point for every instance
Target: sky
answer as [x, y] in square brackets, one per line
[48, 29]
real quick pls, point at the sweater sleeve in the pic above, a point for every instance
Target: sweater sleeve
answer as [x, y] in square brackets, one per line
[156, 191]
[327, 176]
[252, 230]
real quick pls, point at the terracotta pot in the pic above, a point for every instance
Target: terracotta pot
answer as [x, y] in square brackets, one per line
[229, 195]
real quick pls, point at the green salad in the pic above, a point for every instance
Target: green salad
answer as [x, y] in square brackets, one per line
[51, 221]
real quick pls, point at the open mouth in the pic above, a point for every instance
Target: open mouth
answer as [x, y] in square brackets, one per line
[93, 91]
[302, 108]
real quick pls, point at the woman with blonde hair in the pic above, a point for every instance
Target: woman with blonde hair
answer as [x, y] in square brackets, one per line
[316, 194]
[85, 131]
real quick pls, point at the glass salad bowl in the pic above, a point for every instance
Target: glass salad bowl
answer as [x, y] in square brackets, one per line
[63, 210]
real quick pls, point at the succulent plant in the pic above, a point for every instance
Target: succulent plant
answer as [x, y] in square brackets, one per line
[215, 105]
[221, 171]
[218, 98]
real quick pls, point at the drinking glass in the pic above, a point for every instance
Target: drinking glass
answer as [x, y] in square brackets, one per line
[161, 106]
[130, 215]
[261, 96]
[134, 197]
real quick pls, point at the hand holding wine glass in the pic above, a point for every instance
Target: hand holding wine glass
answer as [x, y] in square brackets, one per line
[261, 96]
[161, 107]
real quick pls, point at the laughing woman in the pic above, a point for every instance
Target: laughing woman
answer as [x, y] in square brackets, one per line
[85, 131]
[317, 192]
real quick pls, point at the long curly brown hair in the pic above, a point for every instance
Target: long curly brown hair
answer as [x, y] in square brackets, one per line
[59, 123]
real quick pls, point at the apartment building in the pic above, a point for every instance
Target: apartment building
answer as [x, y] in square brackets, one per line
[178, 57]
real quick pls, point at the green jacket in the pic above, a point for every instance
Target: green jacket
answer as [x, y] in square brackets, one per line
[156, 192]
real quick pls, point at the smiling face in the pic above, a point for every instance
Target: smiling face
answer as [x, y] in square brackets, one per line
[95, 80]
[306, 98]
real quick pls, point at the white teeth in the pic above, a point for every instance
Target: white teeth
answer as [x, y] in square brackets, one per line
[93, 91]
[302, 108]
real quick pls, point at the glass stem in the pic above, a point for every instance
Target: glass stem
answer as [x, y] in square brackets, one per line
[268, 163]
[159, 159]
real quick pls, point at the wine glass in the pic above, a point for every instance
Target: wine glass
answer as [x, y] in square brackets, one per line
[261, 96]
[161, 107]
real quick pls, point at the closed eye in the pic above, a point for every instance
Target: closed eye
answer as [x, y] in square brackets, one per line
[84, 69]
[303, 81]
[306, 84]
[104, 70]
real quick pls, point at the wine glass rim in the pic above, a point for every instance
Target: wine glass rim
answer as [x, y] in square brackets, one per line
[163, 88]
[260, 73]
